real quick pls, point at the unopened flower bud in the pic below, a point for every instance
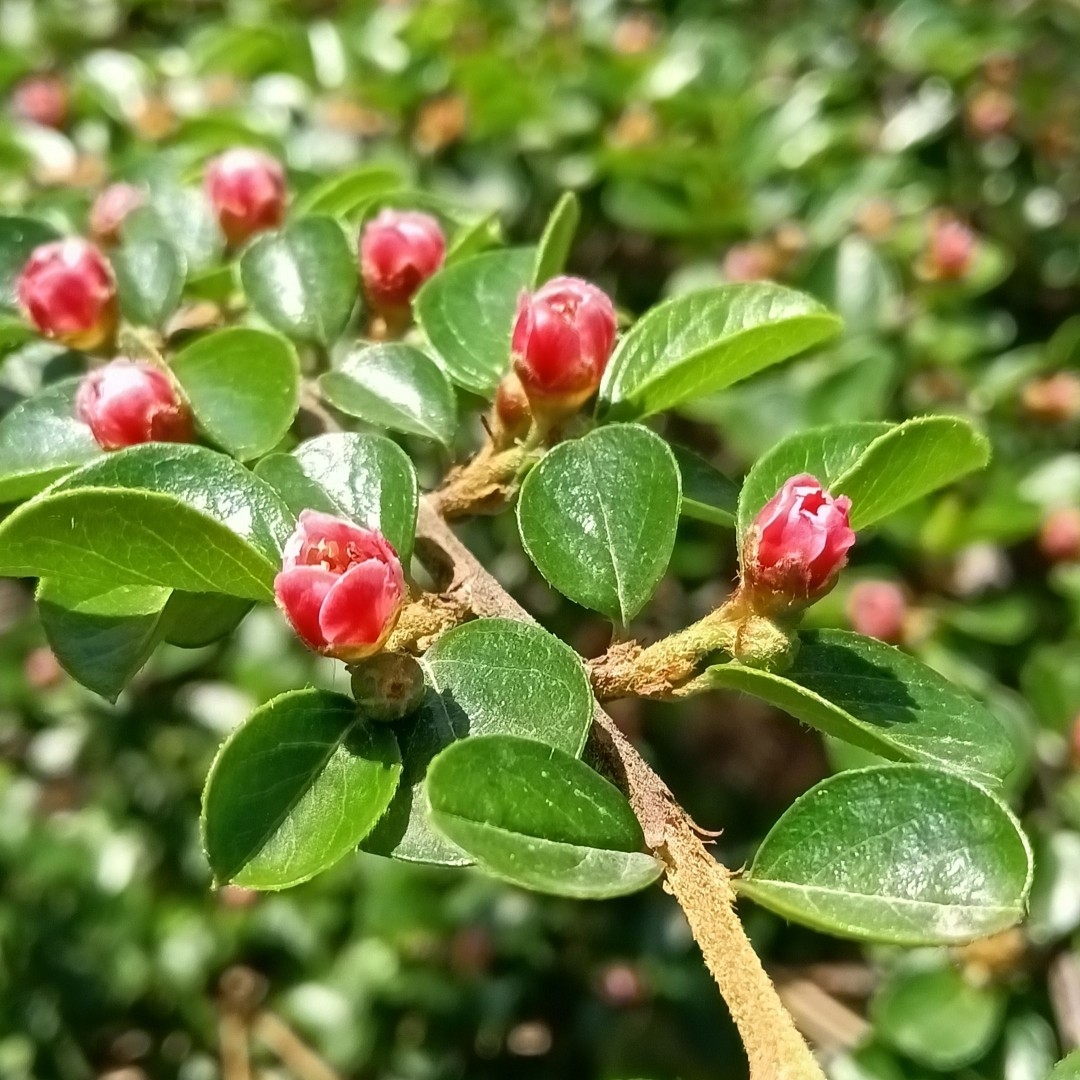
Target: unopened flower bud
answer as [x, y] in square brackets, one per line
[563, 337]
[67, 290]
[42, 99]
[1052, 399]
[990, 111]
[1059, 537]
[752, 261]
[878, 609]
[399, 251]
[341, 586]
[128, 402]
[247, 190]
[388, 686]
[111, 208]
[796, 546]
[513, 416]
[950, 250]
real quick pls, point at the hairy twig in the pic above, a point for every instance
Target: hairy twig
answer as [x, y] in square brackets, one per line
[702, 887]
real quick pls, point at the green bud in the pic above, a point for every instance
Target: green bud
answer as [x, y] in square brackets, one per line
[387, 686]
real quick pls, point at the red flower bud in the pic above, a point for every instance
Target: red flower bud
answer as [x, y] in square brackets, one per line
[68, 292]
[562, 340]
[110, 209]
[247, 190]
[878, 609]
[1059, 537]
[399, 251]
[341, 586]
[797, 544]
[41, 99]
[950, 250]
[128, 402]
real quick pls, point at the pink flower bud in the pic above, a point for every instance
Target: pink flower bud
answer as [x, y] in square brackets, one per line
[797, 544]
[110, 209]
[247, 190]
[1059, 537]
[950, 251]
[752, 261]
[41, 99]
[399, 251]
[878, 609]
[128, 402]
[562, 340]
[341, 586]
[67, 290]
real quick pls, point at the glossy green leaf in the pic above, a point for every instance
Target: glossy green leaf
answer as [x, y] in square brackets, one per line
[880, 467]
[870, 694]
[182, 217]
[489, 677]
[149, 280]
[898, 853]
[18, 238]
[163, 514]
[557, 239]
[396, 387]
[473, 237]
[707, 494]
[193, 620]
[598, 517]
[701, 342]
[303, 279]
[294, 789]
[339, 196]
[244, 388]
[538, 817]
[101, 636]
[938, 1018]
[41, 440]
[467, 312]
[365, 478]
[857, 282]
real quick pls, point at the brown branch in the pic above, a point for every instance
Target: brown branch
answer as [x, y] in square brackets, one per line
[702, 887]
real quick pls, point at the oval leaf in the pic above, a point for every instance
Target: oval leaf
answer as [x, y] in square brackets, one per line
[365, 478]
[41, 439]
[598, 517]
[244, 388]
[557, 239]
[875, 696]
[899, 853]
[489, 677]
[339, 196]
[303, 280]
[294, 789]
[707, 494]
[538, 817]
[467, 312]
[149, 279]
[701, 342]
[396, 387]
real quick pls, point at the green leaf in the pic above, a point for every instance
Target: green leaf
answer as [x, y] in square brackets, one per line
[937, 1018]
[193, 620]
[880, 467]
[598, 517]
[244, 388]
[18, 238]
[294, 789]
[396, 387]
[101, 636]
[857, 282]
[557, 239]
[365, 478]
[875, 696]
[182, 517]
[701, 342]
[707, 494]
[303, 279]
[473, 237]
[915, 458]
[1067, 1068]
[489, 677]
[538, 817]
[182, 217]
[898, 853]
[150, 280]
[467, 312]
[339, 196]
[41, 439]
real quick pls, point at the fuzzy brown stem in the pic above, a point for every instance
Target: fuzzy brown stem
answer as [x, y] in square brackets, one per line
[482, 485]
[775, 1050]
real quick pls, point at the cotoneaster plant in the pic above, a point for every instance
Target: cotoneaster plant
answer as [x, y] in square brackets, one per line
[227, 446]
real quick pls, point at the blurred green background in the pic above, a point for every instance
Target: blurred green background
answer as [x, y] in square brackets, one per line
[822, 143]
